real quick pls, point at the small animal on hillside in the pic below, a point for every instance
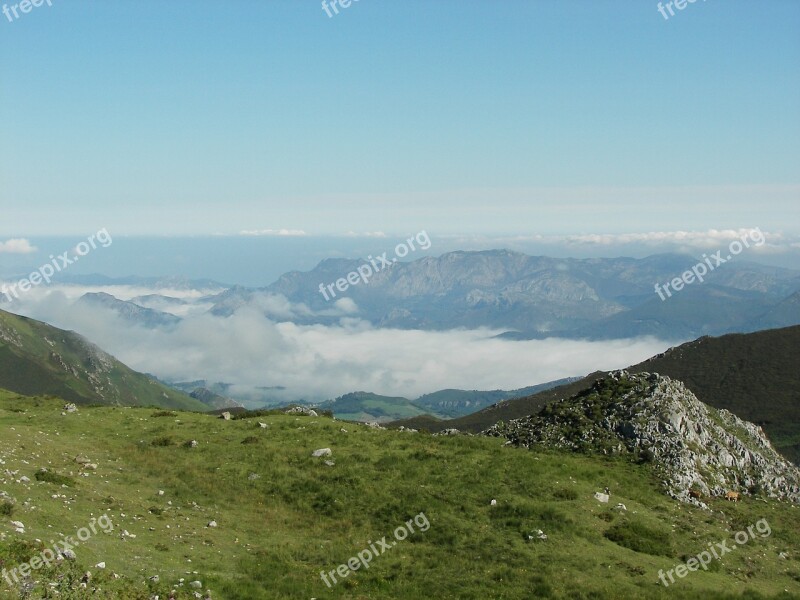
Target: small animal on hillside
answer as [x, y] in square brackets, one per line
[732, 497]
[695, 494]
[607, 491]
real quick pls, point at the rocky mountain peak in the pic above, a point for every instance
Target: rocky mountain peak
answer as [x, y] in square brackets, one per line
[658, 420]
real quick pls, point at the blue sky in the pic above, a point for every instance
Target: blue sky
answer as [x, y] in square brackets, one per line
[549, 118]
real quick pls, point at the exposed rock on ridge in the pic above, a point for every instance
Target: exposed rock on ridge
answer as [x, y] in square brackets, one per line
[658, 420]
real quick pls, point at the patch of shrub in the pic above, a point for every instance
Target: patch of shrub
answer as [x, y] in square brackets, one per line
[565, 494]
[161, 547]
[161, 442]
[18, 551]
[639, 537]
[6, 508]
[250, 439]
[54, 478]
[164, 413]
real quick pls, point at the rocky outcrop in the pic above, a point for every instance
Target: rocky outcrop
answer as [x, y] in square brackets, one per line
[658, 420]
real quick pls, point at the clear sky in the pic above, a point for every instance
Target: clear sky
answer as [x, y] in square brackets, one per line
[493, 117]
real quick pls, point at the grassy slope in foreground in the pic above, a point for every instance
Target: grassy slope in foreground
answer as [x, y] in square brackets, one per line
[301, 516]
[39, 359]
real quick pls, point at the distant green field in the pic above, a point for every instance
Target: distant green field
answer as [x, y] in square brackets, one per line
[299, 516]
[366, 406]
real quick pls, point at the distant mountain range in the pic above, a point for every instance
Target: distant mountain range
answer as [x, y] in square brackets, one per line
[130, 311]
[362, 406]
[538, 296]
[753, 375]
[449, 403]
[531, 296]
[38, 359]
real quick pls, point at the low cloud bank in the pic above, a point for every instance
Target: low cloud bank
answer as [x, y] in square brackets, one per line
[317, 362]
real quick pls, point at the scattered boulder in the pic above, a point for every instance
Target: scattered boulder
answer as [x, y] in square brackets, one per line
[68, 554]
[321, 452]
[70, 407]
[262, 425]
[301, 410]
[212, 524]
[493, 502]
[601, 497]
[449, 431]
[621, 506]
[226, 416]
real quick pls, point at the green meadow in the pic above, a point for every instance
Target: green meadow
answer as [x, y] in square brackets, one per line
[283, 516]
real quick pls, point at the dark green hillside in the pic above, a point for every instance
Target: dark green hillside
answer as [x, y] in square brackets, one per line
[754, 375]
[502, 411]
[38, 359]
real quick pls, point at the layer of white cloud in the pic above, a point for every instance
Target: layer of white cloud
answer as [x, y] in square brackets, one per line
[278, 232]
[17, 246]
[318, 362]
[367, 234]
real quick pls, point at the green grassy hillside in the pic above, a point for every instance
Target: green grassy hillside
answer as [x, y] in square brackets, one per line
[366, 406]
[283, 515]
[36, 358]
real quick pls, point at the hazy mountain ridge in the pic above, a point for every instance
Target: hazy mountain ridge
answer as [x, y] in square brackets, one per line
[540, 296]
[130, 311]
[531, 297]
